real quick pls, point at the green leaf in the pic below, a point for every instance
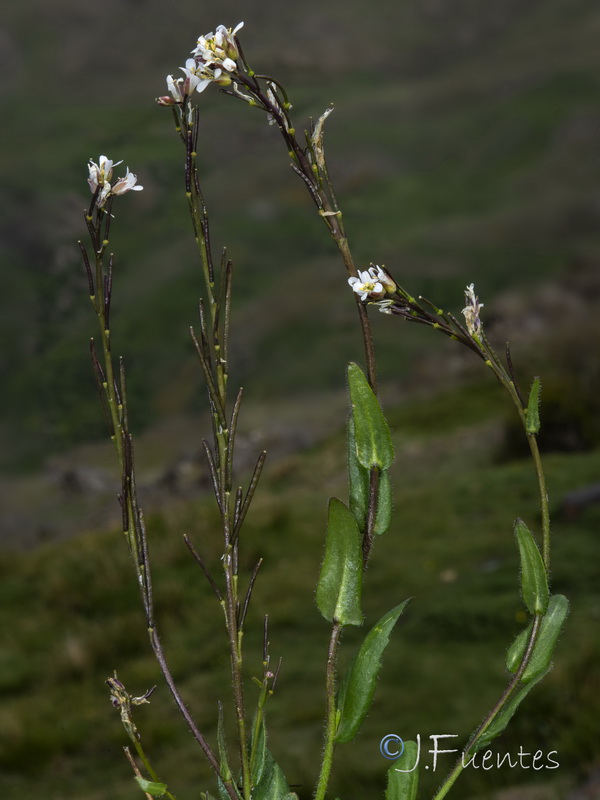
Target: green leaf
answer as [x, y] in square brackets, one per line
[358, 479]
[340, 582]
[358, 685]
[151, 787]
[517, 649]
[532, 416]
[259, 754]
[534, 583]
[505, 716]
[551, 626]
[383, 517]
[373, 439]
[223, 793]
[403, 785]
[223, 764]
[272, 785]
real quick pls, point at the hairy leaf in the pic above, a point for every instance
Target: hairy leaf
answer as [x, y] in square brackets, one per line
[223, 764]
[402, 785]
[532, 417]
[534, 582]
[340, 582]
[259, 752]
[272, 785]
[550, 628]
[151, 787]
[358, 479]
[383, 517]
[358, 685]
[373, 439]
[505, 716]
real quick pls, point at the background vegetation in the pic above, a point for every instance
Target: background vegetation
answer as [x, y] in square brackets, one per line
[464, 146]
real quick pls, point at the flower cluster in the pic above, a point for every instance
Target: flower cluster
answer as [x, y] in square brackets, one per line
[214, 60]
[100, 175]
[373, 284]
[219, 50]
[471, 311]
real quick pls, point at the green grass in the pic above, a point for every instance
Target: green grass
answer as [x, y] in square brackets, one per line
[73, 616]
[464, 148]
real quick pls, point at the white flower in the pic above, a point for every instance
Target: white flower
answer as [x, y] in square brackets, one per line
[99, 180]
[219, 48]
[471, 311]
[380, 275]
[126, 184]
[367, 286]
[199, 75]
[180, 88]
[100, 173]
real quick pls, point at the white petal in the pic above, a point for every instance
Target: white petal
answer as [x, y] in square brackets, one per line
[202, 85]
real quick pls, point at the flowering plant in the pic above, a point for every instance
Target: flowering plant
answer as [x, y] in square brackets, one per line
[352, 527]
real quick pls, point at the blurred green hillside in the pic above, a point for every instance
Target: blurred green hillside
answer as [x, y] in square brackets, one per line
[464, 146]
[70, 614]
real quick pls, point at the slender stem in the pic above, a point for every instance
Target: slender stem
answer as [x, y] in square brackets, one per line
[332, 216]
[368, 534]
[101, 302]
[535, 453]
[207, 750]
[132, 515]
[331, 712]
[509, 384]
[146, 763]
[510, 690]
[537, 460]
[263, 696]
[140, 751]
[236, 658]
[326, 204]
[365, 325]
[212, 351]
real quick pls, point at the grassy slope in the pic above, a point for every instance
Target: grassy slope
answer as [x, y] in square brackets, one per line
[72, 616]
[463, 144]
[477, 161]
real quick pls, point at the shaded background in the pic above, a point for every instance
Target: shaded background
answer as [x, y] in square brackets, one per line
[464, 147]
